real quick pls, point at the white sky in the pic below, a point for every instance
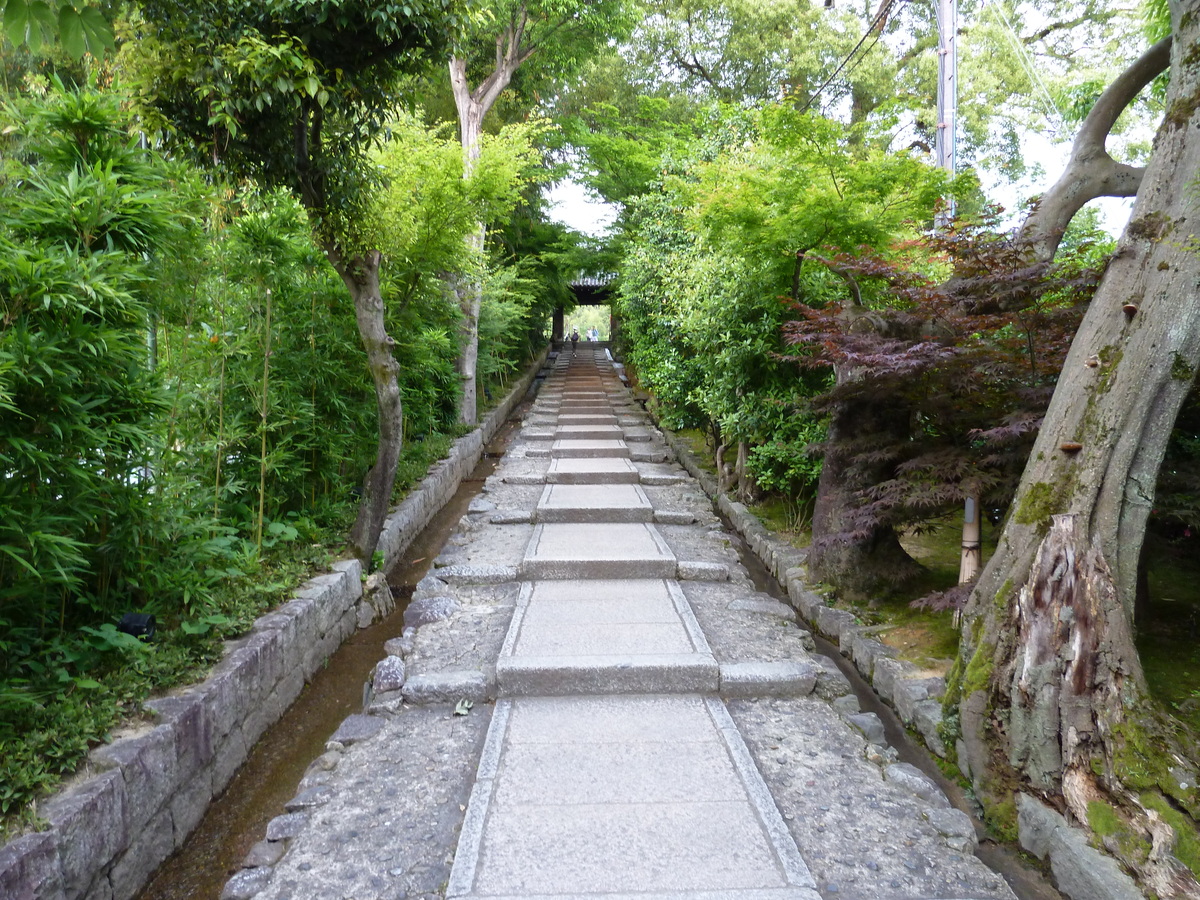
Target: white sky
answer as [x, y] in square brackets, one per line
[572, 204]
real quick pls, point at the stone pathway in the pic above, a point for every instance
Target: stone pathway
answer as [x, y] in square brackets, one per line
[658, 728]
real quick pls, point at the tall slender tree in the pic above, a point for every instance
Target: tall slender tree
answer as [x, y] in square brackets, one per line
[546, 40]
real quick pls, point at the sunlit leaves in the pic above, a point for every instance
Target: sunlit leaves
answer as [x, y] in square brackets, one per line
[79, 28]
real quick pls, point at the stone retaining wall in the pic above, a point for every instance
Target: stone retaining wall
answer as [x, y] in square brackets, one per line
[1080, 871]
[137, 799]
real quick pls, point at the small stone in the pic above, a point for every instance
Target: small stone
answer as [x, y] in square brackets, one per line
[326, 762]
[429, 586]
[264, 853]
[870, 725]
[424, 610]
[846, 705]
[401, 646]
[357, 728]
[286, 826]
[309, 799]
[246, 884]
[389, 674]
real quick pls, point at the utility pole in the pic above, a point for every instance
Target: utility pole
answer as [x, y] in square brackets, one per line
[946, 145]
[946, 140]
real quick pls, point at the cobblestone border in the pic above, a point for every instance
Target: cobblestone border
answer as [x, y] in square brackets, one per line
[1081, 872]
[137, 799]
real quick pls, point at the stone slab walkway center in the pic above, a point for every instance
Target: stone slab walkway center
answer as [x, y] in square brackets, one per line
[591, 700]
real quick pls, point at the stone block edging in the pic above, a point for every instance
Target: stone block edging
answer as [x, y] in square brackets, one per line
[137, 799]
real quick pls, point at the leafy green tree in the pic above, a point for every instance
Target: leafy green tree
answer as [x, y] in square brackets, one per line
[83, 207]
[79, 27]
[295, 96]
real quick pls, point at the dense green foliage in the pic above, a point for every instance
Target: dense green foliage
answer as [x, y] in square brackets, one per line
[185, 411]
[716, 259]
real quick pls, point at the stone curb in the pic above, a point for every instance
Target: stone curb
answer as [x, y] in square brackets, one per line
[1080, 871]
[139, 798]
[901, 684]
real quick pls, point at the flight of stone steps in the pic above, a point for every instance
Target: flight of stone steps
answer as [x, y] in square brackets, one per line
[592, 700]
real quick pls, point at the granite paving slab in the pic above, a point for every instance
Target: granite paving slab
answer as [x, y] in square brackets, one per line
[557, 809]
[611, 432]
[594, 503]
[613, 636]
[599, 550]
[565, 448]
[591, 471]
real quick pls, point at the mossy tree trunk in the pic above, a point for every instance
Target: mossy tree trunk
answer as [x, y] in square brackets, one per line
[1048, 686]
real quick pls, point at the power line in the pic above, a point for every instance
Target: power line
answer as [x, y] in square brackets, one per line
[1026, 61]
[871, 28]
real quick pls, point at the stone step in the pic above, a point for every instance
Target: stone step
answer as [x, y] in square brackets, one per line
[646, 796]
[606, 432]
[572, 449]
[594, 503]
[606, 636]
[600, 550]
[587, 419]
[592, 471]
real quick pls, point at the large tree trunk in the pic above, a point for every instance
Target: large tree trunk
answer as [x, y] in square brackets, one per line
[361, 276]
[1050, 691]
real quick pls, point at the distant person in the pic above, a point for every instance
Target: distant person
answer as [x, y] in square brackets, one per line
[594, 335]
[574, 339]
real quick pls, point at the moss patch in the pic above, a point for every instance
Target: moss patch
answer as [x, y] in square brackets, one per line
[1182, 110]
[1103, 819]
[1037, 505]
[1001, 819]
[1180, 370]
[979, 670]
[1187, 844]
[1114, 832]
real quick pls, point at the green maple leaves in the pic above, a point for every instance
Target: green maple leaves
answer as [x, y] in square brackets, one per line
[79, 29]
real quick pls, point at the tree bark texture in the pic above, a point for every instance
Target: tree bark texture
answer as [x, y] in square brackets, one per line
[361, 276]
[1049, 687]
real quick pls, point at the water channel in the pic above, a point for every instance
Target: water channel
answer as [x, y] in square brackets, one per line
[238, 818]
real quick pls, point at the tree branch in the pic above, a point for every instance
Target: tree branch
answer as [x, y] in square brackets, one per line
[1091, 172]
